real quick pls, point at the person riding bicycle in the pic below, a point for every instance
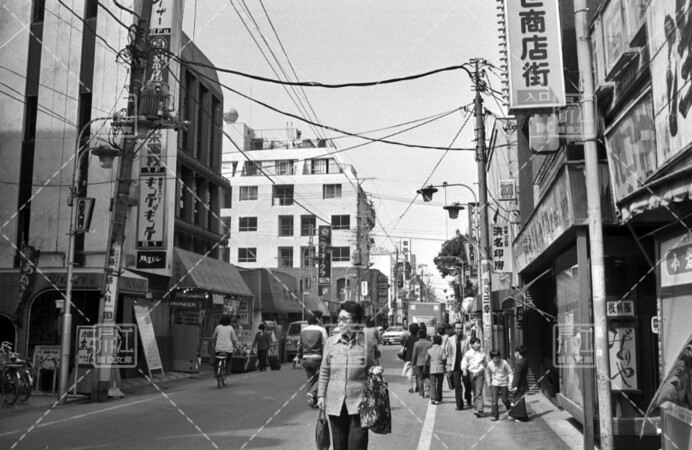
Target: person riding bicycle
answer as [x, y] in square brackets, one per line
[224, 340]
[311, 344]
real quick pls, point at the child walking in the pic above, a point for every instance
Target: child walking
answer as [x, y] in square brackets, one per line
[436, 360]
[498, 373]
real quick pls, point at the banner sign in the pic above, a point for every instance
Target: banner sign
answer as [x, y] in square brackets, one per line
[85, 208]
[669, 26]
[151, 218]
[534, 44]
[324, 256]
[622, 345]
[502, 249]
[631, 145]
[146, 333]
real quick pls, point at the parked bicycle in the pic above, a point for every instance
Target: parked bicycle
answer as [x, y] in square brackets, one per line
[18, 376]
[222, 369]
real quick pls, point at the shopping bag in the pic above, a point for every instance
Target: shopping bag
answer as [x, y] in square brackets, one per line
[374, 409]
[450, 381]
[322, 438]
[401, 354]
[407, 371]
[518, 410]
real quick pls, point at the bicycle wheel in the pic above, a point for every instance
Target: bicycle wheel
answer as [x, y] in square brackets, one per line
[10, 385]
[220, 369]
[26, 383]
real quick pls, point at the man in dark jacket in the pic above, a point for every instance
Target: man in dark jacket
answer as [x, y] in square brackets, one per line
[311, 344]
[261, 343]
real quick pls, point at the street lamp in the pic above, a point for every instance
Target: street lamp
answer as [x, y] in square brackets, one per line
[484, 285]
[106, 155]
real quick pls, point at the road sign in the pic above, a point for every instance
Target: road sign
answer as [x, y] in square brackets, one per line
[85, 208]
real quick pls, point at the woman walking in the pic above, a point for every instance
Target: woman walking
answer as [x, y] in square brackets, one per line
[520, 386]
[346, 362]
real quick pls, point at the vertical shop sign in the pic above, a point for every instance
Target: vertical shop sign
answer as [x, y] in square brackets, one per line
[502, 249]
[622, 345]
[534, 44]
[324, 276]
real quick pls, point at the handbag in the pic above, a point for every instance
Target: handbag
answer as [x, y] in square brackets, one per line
[401, 354]
[450, 381]
[322, 438]
[374, 409]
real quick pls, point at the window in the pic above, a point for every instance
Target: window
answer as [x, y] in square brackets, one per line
[331, 191]
[308, 226]
[252, 168]
[285, 256]
[284, 167]
[318, 166]
[247, 255]
[248, 193]
[285, 225]
[341, 254]
[247, 224]
[341, 222]
[306, 255]
[282, 195]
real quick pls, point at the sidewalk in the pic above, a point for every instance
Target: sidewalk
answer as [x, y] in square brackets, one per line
[129, 387]
[559, 420]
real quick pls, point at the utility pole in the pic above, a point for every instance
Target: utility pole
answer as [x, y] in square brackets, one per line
[593, 201]
[108, 305]
[486, 284]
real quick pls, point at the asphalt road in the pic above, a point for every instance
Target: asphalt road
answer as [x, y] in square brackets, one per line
[264, 410]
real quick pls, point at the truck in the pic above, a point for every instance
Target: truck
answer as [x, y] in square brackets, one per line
[432, 314]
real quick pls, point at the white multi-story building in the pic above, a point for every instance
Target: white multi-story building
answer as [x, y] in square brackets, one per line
[283, 189]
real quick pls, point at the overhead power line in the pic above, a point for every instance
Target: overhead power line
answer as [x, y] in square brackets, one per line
[327, 127]
[329, 85]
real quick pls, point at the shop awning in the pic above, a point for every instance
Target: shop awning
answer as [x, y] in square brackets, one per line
[313, 303]
[274, 292]
[657, 196]
[191, 270]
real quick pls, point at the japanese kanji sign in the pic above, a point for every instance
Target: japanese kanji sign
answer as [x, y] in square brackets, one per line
[534, 45]
[676, 268]
[325, 256]
[620, 308]
[502, 249]
[152, 184]
[113, 345]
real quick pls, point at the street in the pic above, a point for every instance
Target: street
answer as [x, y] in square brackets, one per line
[255, 411]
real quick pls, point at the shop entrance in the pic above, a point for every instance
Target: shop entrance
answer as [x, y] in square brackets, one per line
[8, 332]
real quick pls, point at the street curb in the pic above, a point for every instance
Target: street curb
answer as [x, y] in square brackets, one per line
[557, 419]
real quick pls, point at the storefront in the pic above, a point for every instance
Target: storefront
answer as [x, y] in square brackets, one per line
[202, 291]
[39, 319]
[552, 255]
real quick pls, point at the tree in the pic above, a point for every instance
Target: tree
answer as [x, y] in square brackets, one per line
[451, 256]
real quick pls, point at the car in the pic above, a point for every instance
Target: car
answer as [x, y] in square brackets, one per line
[393, 335]
[292, 338]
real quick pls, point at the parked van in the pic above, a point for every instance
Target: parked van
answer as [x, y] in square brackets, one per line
[292, 339]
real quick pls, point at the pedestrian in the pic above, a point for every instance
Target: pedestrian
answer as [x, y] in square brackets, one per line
[520, 386]
[346, 362]
[498, 374]
[408, 346]
[311, 344]
[224, 340]
[473, 363]
[455, 354]
[261, 343]
[466, 379]
[372, 336]
[420, 350]
[435, 360]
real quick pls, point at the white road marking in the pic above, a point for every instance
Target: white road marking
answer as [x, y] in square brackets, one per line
[426, 433]
[81, 416]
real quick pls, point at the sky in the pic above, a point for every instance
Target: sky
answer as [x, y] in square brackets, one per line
[357, 41]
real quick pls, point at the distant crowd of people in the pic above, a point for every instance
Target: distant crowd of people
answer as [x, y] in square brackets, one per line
[455, 353]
